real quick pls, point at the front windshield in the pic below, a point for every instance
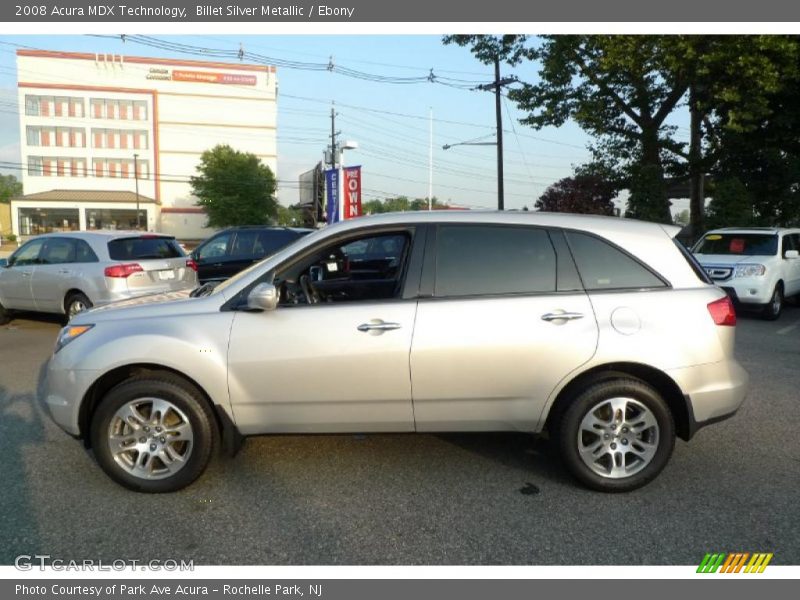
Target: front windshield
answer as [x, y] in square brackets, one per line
[744, 244]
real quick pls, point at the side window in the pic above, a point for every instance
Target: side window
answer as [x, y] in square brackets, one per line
[271, 241]
[789, 243]
[27, 255]
[604, 267]
[367, 269]
[58, 251]
[476, 260]
[84, 252]
[244, 244]
[216, 247]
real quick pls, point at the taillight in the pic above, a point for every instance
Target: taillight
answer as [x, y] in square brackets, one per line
[124, 270]
[722, 312]
[191, 264]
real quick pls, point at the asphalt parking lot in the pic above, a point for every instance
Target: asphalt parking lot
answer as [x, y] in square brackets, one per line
[411, 499]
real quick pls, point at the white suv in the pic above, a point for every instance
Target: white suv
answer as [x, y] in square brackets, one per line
[756, 266]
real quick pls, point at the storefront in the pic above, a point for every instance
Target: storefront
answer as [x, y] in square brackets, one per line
[76, 210]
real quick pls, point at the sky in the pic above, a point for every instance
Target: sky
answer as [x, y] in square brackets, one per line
[389, 121]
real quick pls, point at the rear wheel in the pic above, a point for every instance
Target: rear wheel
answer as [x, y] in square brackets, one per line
[774, 307]
[153, 433]
[617, 435]
[76, 303]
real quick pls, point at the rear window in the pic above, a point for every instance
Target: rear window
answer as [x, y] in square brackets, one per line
[142, 248]
[745, 244]
[604, 267]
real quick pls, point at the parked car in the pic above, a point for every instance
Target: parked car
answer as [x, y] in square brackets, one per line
[67, 273]
[603, 331]
[229, 251]
[758, 267]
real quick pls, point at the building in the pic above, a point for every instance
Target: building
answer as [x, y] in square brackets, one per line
[100, 131]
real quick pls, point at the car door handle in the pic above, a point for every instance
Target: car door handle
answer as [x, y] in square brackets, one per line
[561, 315]
[64, 272]
[378, 325]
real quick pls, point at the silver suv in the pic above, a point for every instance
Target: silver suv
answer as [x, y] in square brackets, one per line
[602, 331]
[66, 273]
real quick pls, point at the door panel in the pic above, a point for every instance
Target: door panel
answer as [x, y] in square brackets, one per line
[53, 274]
[15, 280]
[490, 364]
[311, 369]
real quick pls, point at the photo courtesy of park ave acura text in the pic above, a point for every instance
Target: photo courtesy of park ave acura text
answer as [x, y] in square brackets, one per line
[397, 299]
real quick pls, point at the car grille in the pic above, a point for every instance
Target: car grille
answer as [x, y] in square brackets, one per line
[718, 273]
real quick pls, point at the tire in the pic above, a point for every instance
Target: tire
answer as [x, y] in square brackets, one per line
[165, 440]
[5, 315]
[76, 303]
[772, 310]
[605, 418]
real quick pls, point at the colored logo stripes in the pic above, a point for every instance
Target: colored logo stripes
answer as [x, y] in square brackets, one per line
[734, 562]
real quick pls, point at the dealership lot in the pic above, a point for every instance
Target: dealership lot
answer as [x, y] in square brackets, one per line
[411, 499]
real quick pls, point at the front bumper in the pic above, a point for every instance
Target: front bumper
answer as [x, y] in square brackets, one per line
[63, 391]
[747, 291]
[713, 392]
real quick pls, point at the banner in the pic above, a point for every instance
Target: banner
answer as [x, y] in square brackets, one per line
[352, 192]
[332, 191]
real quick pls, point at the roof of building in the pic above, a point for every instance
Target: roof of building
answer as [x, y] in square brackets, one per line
[115, 196]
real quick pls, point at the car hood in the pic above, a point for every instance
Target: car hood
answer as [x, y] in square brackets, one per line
[728, 259]
[151, 305]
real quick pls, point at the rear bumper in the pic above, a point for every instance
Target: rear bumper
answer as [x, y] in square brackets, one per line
[713, 392]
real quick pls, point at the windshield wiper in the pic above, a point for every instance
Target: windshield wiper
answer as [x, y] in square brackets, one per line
[204, 290]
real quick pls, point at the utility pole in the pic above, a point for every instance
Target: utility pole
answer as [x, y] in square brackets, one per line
[333, 137]
[497, 86]
[136, 178]
[430, 158]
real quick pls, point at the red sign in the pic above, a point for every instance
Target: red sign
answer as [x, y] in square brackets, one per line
[206, 77]
[352, 192]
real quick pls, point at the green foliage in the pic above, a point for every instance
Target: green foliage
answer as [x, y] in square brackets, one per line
[682, 218]
[398, 204]
[9, 188]
[648, 199]
[585, 194]
[234, 188]
[289, 216]
[11, 237]
[731, 206]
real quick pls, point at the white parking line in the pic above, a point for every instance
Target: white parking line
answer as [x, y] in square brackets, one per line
[788, 328]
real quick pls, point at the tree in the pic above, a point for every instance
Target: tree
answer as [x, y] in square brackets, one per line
[622, 89]
[289, 216]
[234, 188]
[682, 218]
[586, 194]
[731, 205]
[9, 188]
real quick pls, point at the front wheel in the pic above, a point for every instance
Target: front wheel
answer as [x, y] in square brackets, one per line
[774, 307]
[153, 433]
[617, 435]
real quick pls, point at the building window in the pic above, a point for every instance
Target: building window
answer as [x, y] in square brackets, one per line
[59, 106]
[125, 110]
[63, 137]
[120, 167]
[113, 218]
[61, 166]
[122, 139]
[34, 221]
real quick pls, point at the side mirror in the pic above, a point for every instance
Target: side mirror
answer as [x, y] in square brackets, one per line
[791, 254]
[263, 297]
[3, 262]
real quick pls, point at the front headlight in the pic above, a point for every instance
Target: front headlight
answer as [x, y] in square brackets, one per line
[750, 270]
[69, 333]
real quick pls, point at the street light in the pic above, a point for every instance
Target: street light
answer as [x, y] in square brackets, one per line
[475, 142]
